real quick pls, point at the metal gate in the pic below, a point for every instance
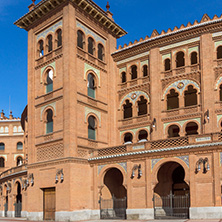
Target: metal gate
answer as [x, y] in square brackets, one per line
[113, 208]
[171, 206]
[18, 209]
[6, 208]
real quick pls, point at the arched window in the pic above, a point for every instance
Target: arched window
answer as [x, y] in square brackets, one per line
[133, 72]
[49, 43]
[19, 146]
[142, 106]
[2, 162]
[91, 46]
[19, 161]
[80, 39]
[172, 100]
[100, 52]
[220, 92]
[180, 59]
[193, 58]
[191, 128]
[2, 146]
[59, 37]
[49, 81]
[41, 48]
[49, 121]
[173, 131]
[123, 77]
[91, 86]
[128, 138]
[145, 70]
[190, 96]
[92, 128]
[128, 112]
[143, 135]
[167, 65]
[219, 52]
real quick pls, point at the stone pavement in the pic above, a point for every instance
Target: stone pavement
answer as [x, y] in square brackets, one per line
[8, 219]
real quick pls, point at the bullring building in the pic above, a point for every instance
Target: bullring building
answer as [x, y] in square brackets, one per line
[133, 132]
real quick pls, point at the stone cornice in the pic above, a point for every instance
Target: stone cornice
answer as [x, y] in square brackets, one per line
[46, 6]
[142, 152]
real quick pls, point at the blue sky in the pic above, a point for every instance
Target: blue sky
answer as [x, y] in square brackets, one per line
[138, 18]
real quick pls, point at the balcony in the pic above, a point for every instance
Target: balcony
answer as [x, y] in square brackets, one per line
[12, 172]
[47, 57]
[131, 83]
[186, 142]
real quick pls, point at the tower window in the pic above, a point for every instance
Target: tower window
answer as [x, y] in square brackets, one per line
[100, 52]
[142, 106]
[193, 58]
[19, 161]
[172, 100]
[190, 96]
[180, 61]
[91, 86]
[191, 128]
[133, 72]
[219, 52]
[19, 146]
[80, 39]
[2, 146]
[123, 77]
[59, 37]
[41, 48]
[145, 70]
[2, 162]
[167, 65]
[127, 110]
[49, 121]
[92, 128]
[49, 39]
[91, 46]
[49, 81]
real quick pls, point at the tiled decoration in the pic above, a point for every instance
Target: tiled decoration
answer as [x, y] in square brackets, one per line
[87, 68]
[166, 56]
[17, 155]
[53, 65]
[53, 105]
[218, 119]
[52, 28]
[123, 165]
[182, 85]
[145, 62]
[133, 58]
[218, 43]
[122, 70]
[88, 31]
[193, 49]
[95, 112]
[133, 96]
[219, 81]
[185, 159]
[154, 161]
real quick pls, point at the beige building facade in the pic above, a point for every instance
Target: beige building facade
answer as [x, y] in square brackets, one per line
[133, 132]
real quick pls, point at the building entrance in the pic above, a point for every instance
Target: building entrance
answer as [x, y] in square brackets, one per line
[49, 204]
[18, 203]
[171, 194]
[113, 199]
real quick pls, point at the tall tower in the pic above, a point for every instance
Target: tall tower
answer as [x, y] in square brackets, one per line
[71, 102]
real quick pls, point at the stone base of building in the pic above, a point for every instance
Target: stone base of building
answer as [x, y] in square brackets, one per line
[205, 212]
[77, 215]
[140, 214]
[10, 213]
[33, 215]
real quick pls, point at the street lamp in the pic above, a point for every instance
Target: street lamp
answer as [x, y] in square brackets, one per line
[206, 165]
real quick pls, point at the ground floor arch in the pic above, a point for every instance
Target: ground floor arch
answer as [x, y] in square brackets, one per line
[113, 195]
[171, 193]
[18, 201]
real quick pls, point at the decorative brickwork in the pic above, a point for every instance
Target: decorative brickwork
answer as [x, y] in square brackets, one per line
[169, 143]
[113, 150]
[49, 152]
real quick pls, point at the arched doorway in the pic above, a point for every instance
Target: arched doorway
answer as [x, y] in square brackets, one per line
[18, 203]
[171, 194]
[6, 191]
[113, 202]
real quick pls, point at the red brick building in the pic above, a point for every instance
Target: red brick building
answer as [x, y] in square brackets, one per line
[133, 132]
